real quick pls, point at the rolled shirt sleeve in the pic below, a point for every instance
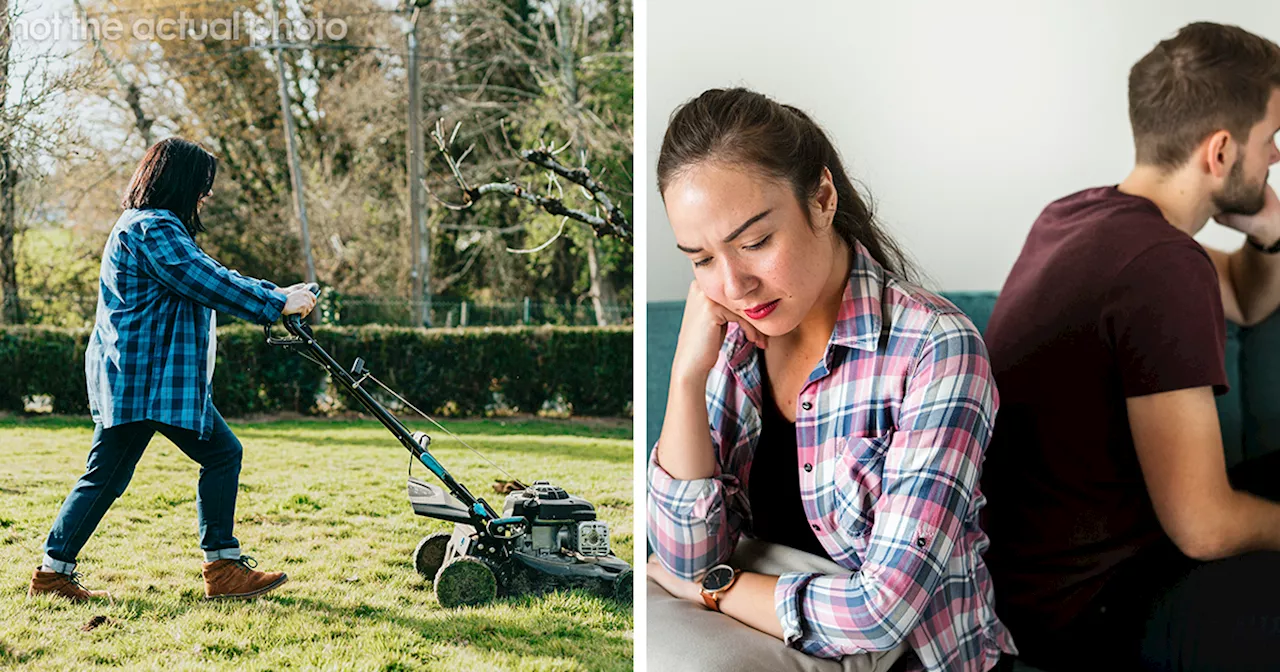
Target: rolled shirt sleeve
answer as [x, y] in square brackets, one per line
[695, 524]
[691, 528]
[931, 473]
[170, 254]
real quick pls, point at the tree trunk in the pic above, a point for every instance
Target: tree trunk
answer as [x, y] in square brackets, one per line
[603, 294]
[10, 308]
[132, 94]
[568, 59]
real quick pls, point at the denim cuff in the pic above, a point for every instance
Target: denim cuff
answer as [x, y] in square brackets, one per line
[222, 554]
[58, 565]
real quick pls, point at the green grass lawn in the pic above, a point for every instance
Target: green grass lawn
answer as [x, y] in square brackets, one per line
[324, 501]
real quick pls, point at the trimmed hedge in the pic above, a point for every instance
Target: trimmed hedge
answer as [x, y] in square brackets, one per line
[43, 360]
[463, 372]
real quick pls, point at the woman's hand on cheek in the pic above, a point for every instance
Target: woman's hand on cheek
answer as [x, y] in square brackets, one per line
[679, 588]
[702, 331]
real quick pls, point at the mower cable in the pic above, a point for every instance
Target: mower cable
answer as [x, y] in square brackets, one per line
[446, 431]
[307, 356]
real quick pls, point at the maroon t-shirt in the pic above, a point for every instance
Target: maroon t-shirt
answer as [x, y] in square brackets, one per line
[1107, 301]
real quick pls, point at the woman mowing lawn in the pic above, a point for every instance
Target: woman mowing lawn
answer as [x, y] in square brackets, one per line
[149, 368]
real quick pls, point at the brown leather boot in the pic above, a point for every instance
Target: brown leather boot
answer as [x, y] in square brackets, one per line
[63, 585]
[229, 579]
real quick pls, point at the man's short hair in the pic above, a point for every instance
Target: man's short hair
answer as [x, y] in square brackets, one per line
[1207, 78]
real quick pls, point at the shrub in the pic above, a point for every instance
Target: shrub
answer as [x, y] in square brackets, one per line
[444, 371]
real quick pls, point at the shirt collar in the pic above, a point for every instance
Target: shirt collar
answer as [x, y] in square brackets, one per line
[858, 324]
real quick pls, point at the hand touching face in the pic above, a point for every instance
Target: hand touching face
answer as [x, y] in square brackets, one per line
[753, 248]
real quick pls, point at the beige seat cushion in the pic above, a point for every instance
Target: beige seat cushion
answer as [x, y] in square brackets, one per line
[686, 636]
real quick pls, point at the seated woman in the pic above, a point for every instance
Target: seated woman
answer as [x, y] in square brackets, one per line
[820, 405]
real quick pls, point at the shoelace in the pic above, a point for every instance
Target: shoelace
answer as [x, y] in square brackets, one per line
[246, 563]
[74, 577]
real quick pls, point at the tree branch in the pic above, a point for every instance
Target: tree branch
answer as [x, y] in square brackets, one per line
[614, 223]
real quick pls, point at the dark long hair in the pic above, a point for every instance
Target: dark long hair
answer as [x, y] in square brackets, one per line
[173, 175]
[742, 127]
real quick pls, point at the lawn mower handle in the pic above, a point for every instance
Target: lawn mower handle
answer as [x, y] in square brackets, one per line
[303, 337]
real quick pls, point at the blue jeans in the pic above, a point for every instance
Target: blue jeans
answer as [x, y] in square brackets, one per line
[114, 455]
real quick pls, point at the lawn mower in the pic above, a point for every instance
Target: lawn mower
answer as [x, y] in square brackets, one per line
[544, 540]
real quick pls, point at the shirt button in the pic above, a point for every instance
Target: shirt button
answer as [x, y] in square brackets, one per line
[806, 406]
[921, 542]
[808, 467]
[817, 528]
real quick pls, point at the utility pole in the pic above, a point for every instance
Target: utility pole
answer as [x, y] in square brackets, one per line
[420, 245]
[291, 143]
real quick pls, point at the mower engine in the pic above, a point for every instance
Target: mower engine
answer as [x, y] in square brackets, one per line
[558, 523]
[545, 540]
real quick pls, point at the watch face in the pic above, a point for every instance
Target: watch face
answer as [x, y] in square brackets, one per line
[716, 579]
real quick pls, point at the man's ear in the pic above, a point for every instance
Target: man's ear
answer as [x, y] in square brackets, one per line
[1219, 152]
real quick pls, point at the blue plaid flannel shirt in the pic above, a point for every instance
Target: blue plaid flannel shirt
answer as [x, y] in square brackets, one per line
[147, 356]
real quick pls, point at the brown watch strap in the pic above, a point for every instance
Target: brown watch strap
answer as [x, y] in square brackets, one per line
[712, 600]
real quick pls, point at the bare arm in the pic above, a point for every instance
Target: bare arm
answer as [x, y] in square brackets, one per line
[691, 523]
[685, 449]
[1250, 284]
[1179, 445]
[750, 600]
[1250, 279]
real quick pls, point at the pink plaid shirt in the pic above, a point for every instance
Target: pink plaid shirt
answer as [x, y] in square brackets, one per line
[891, 427]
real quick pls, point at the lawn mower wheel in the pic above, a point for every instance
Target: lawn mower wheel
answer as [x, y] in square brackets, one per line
[429, 556]
[465, 582]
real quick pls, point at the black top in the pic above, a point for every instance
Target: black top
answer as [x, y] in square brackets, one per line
[774, 487]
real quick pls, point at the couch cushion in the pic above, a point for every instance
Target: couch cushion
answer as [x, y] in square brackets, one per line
[1260, 387]
[977, 305]
[664, 329]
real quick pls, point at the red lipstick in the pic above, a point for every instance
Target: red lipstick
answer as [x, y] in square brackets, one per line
[762, 311]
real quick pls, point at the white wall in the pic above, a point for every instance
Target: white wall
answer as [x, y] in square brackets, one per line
[962, 119]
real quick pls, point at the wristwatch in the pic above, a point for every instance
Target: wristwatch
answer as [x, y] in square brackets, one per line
[1275, 247]
[715, 582]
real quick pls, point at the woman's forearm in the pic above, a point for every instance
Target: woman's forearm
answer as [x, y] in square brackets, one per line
[750, 601]
[685, 449]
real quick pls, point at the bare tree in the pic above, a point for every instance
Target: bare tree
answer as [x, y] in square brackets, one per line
[30, 128]
[132, 91]
[553, 54]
